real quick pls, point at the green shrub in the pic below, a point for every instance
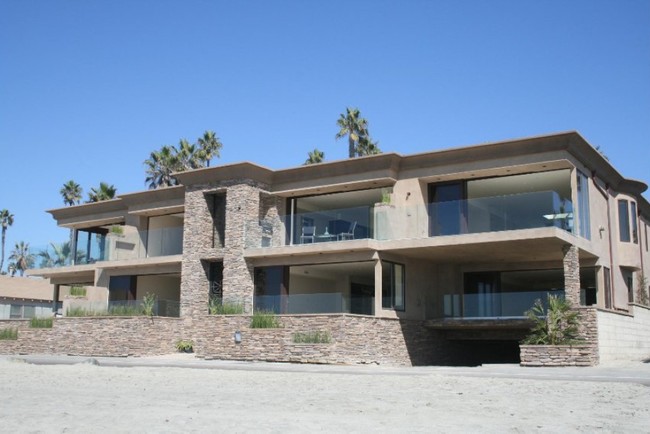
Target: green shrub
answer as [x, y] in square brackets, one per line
[185, 346]
[77, 291]
[78, 311]
[148, 304]
[312, 338]
[10, 334]
[557, 325]
[41, 323]
[217, 307]
[123, 310]
[264, 320]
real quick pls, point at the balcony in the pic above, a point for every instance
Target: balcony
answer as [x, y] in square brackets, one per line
[100, 244]
[502, 305]
[385, 222]
[334, 302]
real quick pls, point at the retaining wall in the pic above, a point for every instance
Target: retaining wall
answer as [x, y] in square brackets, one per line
[623, 336]
[354, 339]
[114, 336]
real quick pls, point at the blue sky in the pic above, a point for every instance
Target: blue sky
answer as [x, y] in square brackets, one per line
[89, 88]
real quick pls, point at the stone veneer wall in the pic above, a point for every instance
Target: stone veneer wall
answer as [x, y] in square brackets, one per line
[571, 262]
[116, 336]
[622, 336]
[557, 355]
[585, 354]
[242, 212]
[354, 340]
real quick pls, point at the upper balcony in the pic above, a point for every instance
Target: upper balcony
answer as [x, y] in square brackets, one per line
[383, 222]
[111, 243]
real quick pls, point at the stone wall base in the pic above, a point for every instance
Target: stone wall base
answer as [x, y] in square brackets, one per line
[354, 340]
[121, 336]
[559, 355]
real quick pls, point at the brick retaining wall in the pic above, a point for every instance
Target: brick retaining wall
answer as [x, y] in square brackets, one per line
[354, 340]
[585, 354]
[115, 336]
[558, 355]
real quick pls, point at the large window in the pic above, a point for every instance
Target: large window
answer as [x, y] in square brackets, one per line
[532, 200]
[635, 228]
[346, 287]
[583, 205]
[393, 285]
[627, 225]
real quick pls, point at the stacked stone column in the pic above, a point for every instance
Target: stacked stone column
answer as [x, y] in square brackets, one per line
[571, 264]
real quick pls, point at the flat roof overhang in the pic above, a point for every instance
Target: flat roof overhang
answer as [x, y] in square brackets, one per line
[530, 245]
[86, 272]
[312, 253]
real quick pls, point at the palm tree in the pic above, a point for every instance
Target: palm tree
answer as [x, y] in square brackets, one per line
[6, 220]
[210, 146]
[354, 126]
[71, 193]
[22, 257]
[160, 166]
[104, 192]
[188, 156]
[367, 147]
[60, 256]
[315, 157]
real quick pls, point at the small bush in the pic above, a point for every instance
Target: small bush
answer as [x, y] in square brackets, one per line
[123, 310]
[264, 320]
[557, 325]
[185, 346]
[312, 338]
[41, 323]
[78, 311]
[217, 307]
[10, 334]
[77, 291]
[148, 304]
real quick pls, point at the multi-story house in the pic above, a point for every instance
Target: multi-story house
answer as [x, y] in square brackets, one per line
[425, 258]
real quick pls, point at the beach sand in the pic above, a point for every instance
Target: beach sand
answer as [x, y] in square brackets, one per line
[89, 398]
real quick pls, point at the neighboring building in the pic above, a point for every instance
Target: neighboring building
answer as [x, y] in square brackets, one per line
[22, 297]
[452, 245]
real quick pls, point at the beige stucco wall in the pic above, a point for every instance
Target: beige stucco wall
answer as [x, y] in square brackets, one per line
[624, 337]
[163, 287]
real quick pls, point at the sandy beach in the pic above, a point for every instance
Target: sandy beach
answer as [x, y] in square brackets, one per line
[89, 398]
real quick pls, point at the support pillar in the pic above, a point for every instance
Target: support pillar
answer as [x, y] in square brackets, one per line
[571, 264]
[55, 297]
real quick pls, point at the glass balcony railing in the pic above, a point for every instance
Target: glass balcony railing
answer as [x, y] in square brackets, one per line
[495, 305]
[80, 308]
[388, 222]
[501, 213]
[96, 247]
[335, 302]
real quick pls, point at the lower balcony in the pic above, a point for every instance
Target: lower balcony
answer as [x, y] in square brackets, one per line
[502, 305]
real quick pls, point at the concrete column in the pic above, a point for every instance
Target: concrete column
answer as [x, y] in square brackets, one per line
[571, 264]
[55, 297]
[378, 286]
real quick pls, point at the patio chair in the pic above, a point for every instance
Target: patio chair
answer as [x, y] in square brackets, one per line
[349, 235]
[308, 233]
